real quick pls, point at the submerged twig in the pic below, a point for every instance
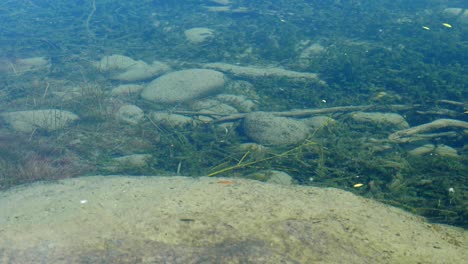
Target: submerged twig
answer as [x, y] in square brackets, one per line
[302, 112]
[88, 19]
[241, 165]
[406, 135]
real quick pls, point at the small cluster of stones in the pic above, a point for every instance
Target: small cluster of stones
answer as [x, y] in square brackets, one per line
[203, 90]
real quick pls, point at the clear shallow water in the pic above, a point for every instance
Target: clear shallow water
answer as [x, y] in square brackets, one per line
[380, 53]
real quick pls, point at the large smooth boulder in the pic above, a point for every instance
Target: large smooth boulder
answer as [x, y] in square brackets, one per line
[180, 220]
[268, 129]
[182, 86]
[46, 119]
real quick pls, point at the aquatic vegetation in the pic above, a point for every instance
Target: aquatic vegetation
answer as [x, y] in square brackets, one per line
[25, 160]
[368, 55]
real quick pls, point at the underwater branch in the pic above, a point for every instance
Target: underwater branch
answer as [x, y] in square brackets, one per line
[301, 113]
[407, 135]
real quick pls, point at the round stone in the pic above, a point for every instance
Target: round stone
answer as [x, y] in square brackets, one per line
[131, 114]
[268, 129]
[198, 35]
[46, 119]
[183, 86]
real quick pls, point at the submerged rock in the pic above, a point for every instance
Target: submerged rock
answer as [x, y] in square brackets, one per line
[393, 120]
[311, 51]
[131, 114]
[141, 71]
[268, 129]
[46, 119]
[279, 177]
[182, 86]
[319, 122]
[171, 120]
[272, 176]
[123, 68]
[134, 160]
[114, 62]
[213, 106]
[110, 219]
[20, 66]
[127, 89]
[240, 102]
[199, 35]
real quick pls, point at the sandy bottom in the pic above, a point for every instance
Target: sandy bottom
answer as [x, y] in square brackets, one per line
[119, 219]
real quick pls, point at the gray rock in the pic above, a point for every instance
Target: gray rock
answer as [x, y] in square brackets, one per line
[124, 163]
[268, 129]
[279, 177]
[183, 86]
[127, 89]
[318, 122]
[131, 114]
[393, 120]
[21, 66]
[171, 120]
[199, 35]
[213, 106]
[240, 102]
[47, 119]
[141, 71]
[114, 62]
[311, 51]
[126, 69]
